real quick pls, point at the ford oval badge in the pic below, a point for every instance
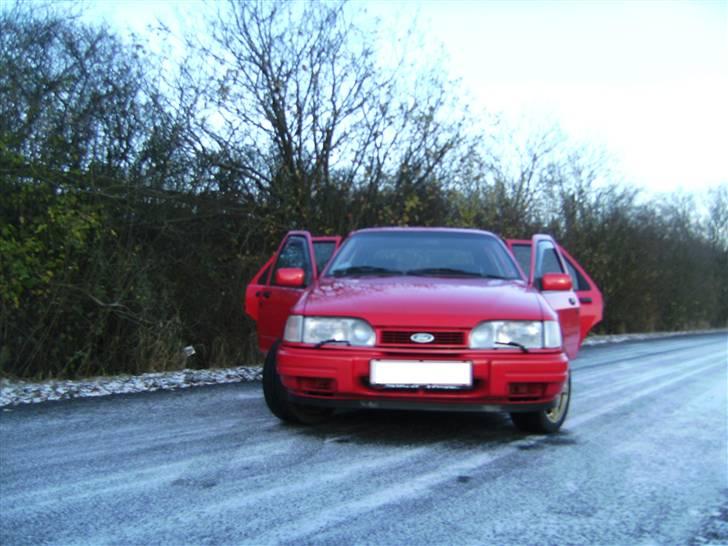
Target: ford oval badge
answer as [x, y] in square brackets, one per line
[422, 337]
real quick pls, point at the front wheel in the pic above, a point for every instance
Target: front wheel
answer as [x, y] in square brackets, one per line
[276, 396]
[545, 421]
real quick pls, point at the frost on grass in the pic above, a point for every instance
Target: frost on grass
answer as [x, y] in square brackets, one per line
[619, 338]
[22, 392]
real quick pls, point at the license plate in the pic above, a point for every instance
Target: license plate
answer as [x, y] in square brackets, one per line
[427, 373]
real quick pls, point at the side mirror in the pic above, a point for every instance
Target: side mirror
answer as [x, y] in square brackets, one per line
[293, 277]
[556, 282]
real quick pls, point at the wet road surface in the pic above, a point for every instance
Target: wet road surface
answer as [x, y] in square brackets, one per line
[642, 459]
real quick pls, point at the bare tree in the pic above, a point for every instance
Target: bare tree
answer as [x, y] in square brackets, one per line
[297, 92]
[717, 221]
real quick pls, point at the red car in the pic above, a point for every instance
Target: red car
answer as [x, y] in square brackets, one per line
[421, 318]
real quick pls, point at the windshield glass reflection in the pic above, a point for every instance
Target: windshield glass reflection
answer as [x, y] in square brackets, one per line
[425, 254]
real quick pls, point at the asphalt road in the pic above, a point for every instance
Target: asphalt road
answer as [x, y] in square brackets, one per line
[642, 459]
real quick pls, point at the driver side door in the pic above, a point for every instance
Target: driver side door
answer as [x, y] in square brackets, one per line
[539, 257]
[591, 301]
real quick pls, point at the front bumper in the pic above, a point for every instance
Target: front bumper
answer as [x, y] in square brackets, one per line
[503, 380]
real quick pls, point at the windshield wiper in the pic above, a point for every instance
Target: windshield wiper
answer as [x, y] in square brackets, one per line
[513, 344]
[443, 272]
[363, 270]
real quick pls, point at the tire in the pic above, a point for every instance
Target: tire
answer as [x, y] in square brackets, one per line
[545, 421]
[276, 396]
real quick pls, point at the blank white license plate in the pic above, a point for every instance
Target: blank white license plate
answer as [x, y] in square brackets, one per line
[446, 373]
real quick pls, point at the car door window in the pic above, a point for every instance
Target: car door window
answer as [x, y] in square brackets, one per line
[294, 254]
[547, 260]
[323, 251]
[577, 278]
[550, 261]
[523, 256]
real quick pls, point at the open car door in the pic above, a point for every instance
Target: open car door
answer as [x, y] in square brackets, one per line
[546, 259]
[269, 296]
[254, 288]
[590, 298]
[277, 296]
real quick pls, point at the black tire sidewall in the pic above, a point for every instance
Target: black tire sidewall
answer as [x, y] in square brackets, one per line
[537, 422]
[276, 396]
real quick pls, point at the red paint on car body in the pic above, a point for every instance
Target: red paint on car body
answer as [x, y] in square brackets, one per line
[446, 308]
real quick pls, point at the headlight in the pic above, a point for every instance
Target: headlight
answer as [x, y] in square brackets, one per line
[317, 329]
[552, 335]
[529, 334]
[294, 329]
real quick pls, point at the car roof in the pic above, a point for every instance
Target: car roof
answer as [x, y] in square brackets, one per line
[423, 229]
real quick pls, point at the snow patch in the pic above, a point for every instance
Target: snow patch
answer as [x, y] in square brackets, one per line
[620, 338]
[14, 392]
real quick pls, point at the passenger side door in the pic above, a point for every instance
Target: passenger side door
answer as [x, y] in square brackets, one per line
[254, 288]
[275, 300]
[323, 247]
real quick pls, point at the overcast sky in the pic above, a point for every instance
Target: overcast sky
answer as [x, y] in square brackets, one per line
[648, 81]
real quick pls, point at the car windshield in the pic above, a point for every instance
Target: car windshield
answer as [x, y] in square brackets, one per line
[423, 253]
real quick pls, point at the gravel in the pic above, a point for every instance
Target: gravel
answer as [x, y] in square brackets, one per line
[14, 392]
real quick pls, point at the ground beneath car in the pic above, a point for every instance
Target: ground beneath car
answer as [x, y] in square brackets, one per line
[641, 459]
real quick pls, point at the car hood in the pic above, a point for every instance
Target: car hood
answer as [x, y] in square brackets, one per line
[422, 302]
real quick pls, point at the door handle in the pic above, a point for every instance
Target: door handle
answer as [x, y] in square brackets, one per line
[264, 293]
[585, 299]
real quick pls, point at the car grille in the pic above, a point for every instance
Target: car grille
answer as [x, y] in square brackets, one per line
[403, 337]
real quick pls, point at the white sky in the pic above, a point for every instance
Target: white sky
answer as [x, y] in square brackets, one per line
[646, 80]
